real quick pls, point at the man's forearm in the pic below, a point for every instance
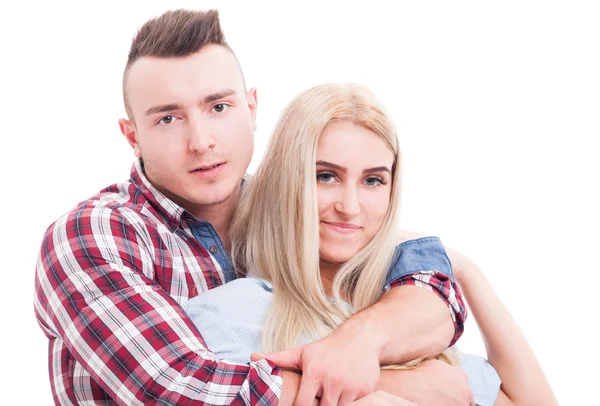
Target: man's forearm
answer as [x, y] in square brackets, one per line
[407, 323]
[431, 383]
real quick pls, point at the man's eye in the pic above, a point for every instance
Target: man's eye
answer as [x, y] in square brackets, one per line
[219, 108]
[167, 120]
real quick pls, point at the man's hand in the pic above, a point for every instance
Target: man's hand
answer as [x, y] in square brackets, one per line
[380, 398]
[339, 369]
[432, 383]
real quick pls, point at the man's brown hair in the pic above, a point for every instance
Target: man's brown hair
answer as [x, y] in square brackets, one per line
[176, 33]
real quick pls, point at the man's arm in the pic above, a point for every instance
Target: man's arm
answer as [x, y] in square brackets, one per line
[432, 383]
[407, 323]
[97, 300]
[410, 316]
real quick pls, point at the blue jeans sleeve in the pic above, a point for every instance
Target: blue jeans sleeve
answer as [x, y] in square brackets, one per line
[422, 254]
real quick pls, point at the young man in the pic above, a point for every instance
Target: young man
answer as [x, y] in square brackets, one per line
[113, 272]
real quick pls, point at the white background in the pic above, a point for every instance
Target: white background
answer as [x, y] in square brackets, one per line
[497, 106]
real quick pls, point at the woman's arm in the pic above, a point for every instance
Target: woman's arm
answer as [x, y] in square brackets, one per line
[523, 381]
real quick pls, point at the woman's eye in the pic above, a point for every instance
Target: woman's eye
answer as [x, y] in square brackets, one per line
[219, 108]
[373, 182]
[325, 177]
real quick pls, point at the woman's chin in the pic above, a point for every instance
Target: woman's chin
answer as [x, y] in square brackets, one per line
[338, 257]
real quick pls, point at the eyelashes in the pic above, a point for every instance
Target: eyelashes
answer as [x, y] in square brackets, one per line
[329, 178]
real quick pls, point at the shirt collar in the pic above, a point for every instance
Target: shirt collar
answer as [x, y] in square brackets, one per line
[172, 213]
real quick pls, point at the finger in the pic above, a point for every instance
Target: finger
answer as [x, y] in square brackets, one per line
[286, 359]
[369, 400]
[307, 392]
[382, 398]
[396, 401]
[257, 356]
[347, 397]
[332, 396]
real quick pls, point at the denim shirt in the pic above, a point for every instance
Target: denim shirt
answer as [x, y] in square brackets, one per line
[206, 234]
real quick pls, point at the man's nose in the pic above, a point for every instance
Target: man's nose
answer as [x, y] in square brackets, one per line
[200, 136]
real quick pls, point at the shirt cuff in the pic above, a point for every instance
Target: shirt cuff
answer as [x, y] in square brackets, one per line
[445, 288]
[422, 254]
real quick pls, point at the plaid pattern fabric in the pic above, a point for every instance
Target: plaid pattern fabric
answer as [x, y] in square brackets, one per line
[447, 289]
[110, 279]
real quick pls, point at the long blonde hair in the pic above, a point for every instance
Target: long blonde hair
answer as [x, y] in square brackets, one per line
[275, 231]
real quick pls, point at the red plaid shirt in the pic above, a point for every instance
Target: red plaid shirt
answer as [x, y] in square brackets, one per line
[110, 279]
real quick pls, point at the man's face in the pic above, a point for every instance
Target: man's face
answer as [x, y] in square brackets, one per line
[194, 125]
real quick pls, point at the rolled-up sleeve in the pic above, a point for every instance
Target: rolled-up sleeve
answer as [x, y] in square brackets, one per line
[423, 262]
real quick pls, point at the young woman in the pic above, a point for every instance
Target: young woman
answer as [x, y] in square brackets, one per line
[315, 234]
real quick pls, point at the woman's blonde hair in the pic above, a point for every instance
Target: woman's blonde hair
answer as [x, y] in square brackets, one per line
[275, 231]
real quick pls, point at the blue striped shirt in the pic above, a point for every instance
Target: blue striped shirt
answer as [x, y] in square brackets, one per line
[231, 318]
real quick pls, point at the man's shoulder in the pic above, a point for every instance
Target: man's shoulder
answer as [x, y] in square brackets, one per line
[120, 203]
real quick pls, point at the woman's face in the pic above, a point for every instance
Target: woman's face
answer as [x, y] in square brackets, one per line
[354, 180]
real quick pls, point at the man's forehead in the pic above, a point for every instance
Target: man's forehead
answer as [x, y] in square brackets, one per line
[207, 71]
[212, 59]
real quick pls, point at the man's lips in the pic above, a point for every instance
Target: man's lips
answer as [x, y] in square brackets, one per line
[208, 167]
[208, 171]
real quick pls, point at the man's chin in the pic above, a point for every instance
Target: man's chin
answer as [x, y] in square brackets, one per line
[215, 196]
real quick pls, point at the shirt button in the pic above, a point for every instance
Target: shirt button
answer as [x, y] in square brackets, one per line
[214, 249]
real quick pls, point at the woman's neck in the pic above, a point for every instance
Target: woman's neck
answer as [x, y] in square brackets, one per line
[328, 271]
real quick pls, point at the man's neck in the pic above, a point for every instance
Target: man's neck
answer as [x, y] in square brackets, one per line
[219, 215]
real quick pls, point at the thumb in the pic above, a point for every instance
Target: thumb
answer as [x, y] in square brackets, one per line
[257, 356]
[283, 359]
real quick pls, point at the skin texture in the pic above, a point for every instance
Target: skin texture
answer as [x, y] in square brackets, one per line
[192, 124]
[353, 190]
[196, 114]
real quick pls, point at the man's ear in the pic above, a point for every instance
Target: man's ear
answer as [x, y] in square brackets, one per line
[130, 133]
[252, 105]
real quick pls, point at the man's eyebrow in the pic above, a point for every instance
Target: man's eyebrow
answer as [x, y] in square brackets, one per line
[218, 95]
[163, 108]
